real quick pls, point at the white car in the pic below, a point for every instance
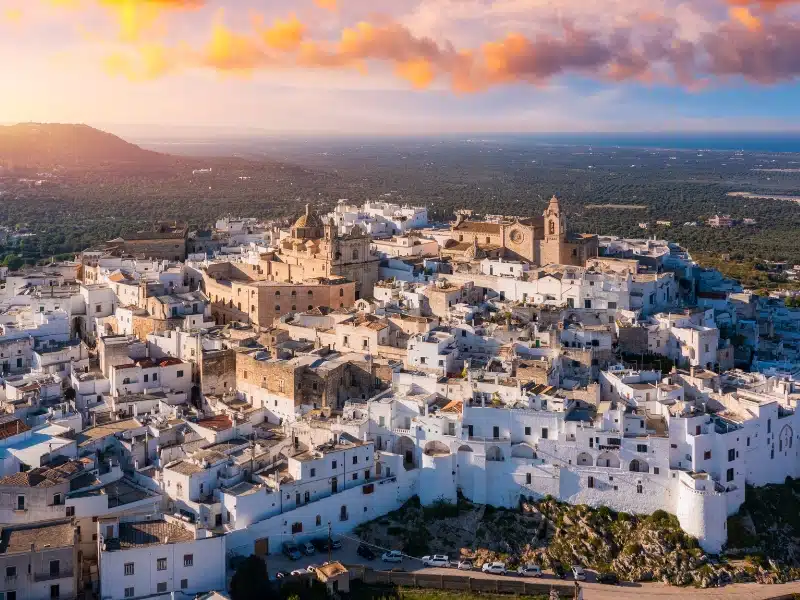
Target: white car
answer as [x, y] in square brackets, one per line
[465, 565]
[496, 568]
[393, 556]
[437, 560]
[530, 570]
[578, 573]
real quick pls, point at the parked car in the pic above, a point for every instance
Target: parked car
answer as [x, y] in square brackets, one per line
[365, 551]
[437, 560]
[393, 556]
[465, 565]
[291, 551]
[530, 570]
[312, 568]
[607, 578]
[578, 573]
[298, 572]
[321, 544]
[308, 549]
[282, 574]
[558, 570]
[497, 568]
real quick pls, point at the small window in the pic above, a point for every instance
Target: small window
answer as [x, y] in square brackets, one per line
[161, 564]
[355, 476]
[70, 511]
[184, 584]
[11, 572]
[641, 448]
[544, 433]
[729, 475]
[297, 527]
[528, 478]
[129, 569]
[333, 465]
[591, 481]
[146, 378]
[188, 560]
[638, 488]
[355, 460]
[161, 587]
[319, 520]
[707, 455]
[313, 472]
[55, 568]
[655, 471]
[179, 374]
[731, 454]
[129, 593]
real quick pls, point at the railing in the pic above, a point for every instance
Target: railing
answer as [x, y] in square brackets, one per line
[61, 574]
[401, 431]
[479, 438]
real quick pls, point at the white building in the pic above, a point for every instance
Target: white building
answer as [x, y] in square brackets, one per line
[140, 558]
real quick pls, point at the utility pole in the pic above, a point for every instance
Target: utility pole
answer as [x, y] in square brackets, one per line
[330, 542]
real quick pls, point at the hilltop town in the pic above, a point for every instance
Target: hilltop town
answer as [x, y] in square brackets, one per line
[209, 394]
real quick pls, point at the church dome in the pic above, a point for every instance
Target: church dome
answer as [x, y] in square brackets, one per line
[308, 219]
[308, 226]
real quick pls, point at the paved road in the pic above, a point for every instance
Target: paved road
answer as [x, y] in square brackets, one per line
[591, 591]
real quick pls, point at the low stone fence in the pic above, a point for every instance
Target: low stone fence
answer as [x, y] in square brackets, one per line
[460, 583]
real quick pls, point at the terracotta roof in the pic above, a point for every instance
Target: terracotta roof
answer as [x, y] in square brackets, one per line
[217, 423]
[478, 227]
[170, 361]
[41, 537]
[148, 533]
[12, 427]
[454, 406]
[332, 569]
[43, 476]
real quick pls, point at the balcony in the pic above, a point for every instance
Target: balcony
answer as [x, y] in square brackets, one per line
[61, 574]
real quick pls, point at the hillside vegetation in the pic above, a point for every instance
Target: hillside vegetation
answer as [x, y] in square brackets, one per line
[634, 547]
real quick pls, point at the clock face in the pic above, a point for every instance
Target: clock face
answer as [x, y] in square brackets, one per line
[517, 237]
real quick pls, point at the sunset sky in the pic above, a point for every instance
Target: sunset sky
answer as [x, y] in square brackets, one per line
[404, 66]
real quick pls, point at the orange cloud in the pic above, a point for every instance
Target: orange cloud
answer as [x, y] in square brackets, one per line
[419, 72]
[331, 5]
[743, 16]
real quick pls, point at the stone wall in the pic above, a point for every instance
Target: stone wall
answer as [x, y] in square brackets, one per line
[217, 371]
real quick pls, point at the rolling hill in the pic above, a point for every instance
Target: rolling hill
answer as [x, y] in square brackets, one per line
[52, 145]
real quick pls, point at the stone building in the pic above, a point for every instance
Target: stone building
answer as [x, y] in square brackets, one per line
[317, 250]
[238, 293]
[165, 242]
[539, 240]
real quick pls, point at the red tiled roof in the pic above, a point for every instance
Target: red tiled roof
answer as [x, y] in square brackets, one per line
[13, 427]
[217, 423]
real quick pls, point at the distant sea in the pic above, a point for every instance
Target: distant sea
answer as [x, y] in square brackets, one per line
[748, 142]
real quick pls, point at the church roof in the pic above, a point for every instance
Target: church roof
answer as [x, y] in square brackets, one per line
[309, 219]
[478, 227]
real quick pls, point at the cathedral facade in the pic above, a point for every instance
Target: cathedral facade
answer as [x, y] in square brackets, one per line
[539, 240]
[314, 249]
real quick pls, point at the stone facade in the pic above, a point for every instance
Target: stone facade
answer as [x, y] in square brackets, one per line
[541, 240]
[314, 250]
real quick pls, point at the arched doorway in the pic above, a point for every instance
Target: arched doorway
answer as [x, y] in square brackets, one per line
[585, 459]
[607, 459]
[639, 466]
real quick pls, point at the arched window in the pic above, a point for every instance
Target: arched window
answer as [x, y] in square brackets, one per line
[310, 307]
[294, 293]
[310, 293]
[277, 293]
[277, 308]
[239, 305]
[294, 307]
[341, 292]
[355, 254]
